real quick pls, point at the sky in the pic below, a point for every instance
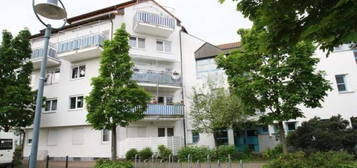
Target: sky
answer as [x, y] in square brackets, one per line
[207, 19]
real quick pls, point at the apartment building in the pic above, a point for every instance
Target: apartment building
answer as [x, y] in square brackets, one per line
[341, 70]
[160, 47]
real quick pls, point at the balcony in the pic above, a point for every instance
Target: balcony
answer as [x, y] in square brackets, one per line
[153, 24]
[81, 48]
[37, 54]
[157, 78]
[165, 110]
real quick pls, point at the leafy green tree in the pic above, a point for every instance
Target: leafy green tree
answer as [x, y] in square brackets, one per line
[318, 135]
[277, 82]
[214, 108]
[328, 22]
[115, 99]
[17, 101]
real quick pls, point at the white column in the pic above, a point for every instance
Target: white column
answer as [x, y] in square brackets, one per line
[230, 136]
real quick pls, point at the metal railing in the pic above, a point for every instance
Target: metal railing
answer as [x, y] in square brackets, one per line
[164, 110]
[154, 19]
[162, 78]
[38, 53]
[80, 43]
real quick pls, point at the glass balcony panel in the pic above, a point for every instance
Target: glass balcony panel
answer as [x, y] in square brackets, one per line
[164, 110]
[163, 78]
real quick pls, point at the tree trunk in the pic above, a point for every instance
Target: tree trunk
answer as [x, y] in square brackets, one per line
[23, 134]
[114, 143]
[283, 138]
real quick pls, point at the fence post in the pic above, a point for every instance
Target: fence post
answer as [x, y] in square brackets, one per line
[170, 160]
[229, 161]
[135, 160]
[209, 161]
[241, 163]
[47, 160]
[152, 160]
[198, 164]
[28, 162]
[189, 160]
[66, 161]
[218, 164]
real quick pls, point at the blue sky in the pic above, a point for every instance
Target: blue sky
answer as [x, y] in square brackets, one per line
[214, 22]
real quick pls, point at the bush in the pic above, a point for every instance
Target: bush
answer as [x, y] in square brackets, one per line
[196, 153]
[112, 164]
[273, 153]
[318, 135]
[164, 152]
[222, 152]
[130, 155]
[315, 160]
[145, 153]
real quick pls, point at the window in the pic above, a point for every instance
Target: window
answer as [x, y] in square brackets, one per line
[51, 105]
[164, 46]
[291, 126]
[340, 81]
[137, 42]
[169, 100]
[6, 144]
[195, 136]
[355, 53]
[105, 135]
[163, 132]
[76, 102]
[161, 100]
[354, 122]
[78, 71]
[221, 137]
[52, 76]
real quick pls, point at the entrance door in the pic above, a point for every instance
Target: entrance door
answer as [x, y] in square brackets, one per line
[246, 140]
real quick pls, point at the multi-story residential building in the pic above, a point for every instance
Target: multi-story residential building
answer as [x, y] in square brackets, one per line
[341, 70]
[160, 47]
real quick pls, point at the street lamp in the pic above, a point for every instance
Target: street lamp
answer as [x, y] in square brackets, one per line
[49, 10]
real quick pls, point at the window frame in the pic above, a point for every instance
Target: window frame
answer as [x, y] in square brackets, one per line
[291, 122]
[102, 135]
[343, 83]
[51, 105]
[50, 76]
[137, 46]
[166, 131]
[76, 102]
[78, 72]
[164, 43]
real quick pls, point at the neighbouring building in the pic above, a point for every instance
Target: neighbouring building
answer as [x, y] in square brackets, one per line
[160, 48]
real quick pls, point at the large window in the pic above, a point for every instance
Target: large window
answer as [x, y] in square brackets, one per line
[137, 42]
[207, 69]
[163, 46]
[76, 102]
[341, 83]
[78, 71]
[165, 132]
[52, 76]
[221, 137]
[6, 144]
[51, 105]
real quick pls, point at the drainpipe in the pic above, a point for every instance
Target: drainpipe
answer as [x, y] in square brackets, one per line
[182, 91]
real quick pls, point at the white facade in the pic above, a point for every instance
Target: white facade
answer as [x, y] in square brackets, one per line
[158, 60]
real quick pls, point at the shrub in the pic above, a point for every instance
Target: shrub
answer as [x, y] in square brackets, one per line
[314, 160]
[222, 152]
[130, 155]
[196, 153]
[273, 153]
[112, 164]
[145, 153]
[318, 135]
[164, 152]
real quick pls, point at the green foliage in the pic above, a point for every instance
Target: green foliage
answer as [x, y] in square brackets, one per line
[115, 99]
[145, 153]
[164, 152]
[18, 157]
[273, 153]
[113, 164]
[290, 21]
[17, 101]
[214, 108]
[130, 154]
[315, 160]
[221, 152]
[324, 135]
[277, 82]
[196, 153]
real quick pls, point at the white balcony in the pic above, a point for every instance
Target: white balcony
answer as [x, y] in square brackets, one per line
[37, 55]
[157, 79]
[81, 48]
[153, 24]
[174, 143]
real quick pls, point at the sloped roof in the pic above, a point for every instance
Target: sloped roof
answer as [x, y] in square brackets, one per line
[207, 50]
[228, 46]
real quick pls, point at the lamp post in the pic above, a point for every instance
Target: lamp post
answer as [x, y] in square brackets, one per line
[49, 10]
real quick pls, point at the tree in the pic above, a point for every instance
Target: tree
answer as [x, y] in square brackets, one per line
[330, 23]
[214, 108]
[318, 135]
[115, 99]
[277, 82]
[17, 101]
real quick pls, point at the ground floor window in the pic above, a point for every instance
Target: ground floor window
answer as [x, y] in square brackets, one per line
[105, 135]
[195, 136]
[165, 132]
[221, 137]
[291, 126]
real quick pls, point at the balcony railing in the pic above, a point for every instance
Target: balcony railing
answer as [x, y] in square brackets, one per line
[37, 53]
[154, 19]
[80, 43]
[165, 110]
[163, 78]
